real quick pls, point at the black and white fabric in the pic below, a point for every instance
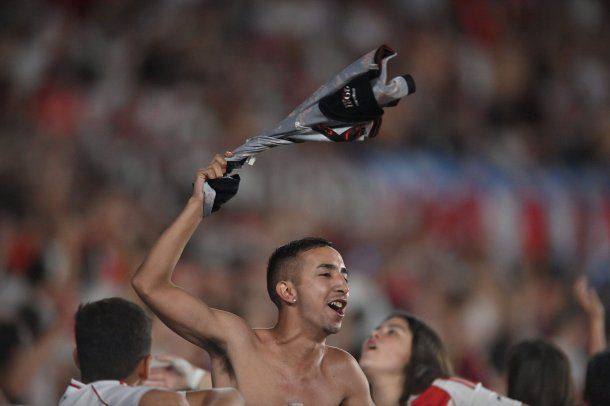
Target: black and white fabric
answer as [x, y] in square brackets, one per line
[217, 192]
[349, 107]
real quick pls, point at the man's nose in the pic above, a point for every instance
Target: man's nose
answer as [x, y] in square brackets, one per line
[342, 286]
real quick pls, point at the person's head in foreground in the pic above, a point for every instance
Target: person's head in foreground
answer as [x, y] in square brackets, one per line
[597, 381]
[307, 280]
[539, 374]
[405, 353]
[113, 341]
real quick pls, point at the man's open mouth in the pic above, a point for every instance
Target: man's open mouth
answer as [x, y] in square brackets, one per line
[338, 306]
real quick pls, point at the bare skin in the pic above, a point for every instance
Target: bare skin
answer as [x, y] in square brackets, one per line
[288, 363]
[593, 307]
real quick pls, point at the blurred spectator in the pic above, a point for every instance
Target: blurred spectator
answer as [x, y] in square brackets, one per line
[406, 364]
[493, 179]
[597, 391]
[589, 301]
[539, 374]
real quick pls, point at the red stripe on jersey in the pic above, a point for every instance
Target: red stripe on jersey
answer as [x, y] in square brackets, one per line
[75, 386]
[433, 396]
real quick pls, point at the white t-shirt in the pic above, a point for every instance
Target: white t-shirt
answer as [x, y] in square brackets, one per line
[459, 392]
[102, 393]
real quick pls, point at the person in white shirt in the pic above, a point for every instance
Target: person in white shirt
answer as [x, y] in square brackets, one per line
[405, 363]
[113, 340]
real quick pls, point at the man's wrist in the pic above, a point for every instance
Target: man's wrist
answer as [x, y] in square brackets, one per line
[194, 206]
[195, 201]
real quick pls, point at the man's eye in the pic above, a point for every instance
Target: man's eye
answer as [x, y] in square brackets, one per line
[325, 274]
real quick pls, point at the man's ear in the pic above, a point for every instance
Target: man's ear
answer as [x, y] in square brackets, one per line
[75, 358]
[143, 368]
[287, 291]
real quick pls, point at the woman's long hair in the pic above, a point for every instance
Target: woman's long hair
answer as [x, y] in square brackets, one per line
[428, 360]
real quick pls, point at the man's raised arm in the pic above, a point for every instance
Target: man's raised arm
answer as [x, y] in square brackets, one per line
[179, 310]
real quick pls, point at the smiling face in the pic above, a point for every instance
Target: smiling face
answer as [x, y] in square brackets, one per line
[322, 289]
[388, 348]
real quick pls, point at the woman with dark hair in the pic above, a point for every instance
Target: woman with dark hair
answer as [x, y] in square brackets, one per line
[406, 364]
[539, 374]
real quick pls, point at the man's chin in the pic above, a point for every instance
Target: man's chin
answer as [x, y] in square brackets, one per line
[332, 329]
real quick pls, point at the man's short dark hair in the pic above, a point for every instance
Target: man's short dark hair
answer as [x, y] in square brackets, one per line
[597, 382]
[112, 336]
[281, 261]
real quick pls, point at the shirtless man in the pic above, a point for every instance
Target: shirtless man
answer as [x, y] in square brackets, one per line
[289, 363]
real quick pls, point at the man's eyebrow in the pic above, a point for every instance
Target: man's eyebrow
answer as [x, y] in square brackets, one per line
[328, 266]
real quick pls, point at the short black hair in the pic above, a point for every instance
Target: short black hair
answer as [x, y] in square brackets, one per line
[539, 374]
[597, 389]
[281, 259]
[112, 337]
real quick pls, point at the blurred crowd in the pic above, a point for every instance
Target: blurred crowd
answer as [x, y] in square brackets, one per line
[485, 195]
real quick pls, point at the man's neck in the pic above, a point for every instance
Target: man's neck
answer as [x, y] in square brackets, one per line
[298, 341]
[292, 328]
[386, 389]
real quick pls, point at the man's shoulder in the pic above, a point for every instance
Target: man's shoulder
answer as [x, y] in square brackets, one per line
[338, 352]
[346, 372]
[337, 358]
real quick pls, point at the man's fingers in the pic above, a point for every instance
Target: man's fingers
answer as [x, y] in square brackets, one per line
[201, 174]
[215, 170]
[219, 159]
[219, 170]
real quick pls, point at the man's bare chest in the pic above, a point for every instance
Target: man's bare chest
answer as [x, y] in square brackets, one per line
[264, 379]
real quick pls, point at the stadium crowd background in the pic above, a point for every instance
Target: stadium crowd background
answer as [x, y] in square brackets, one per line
[484, 196]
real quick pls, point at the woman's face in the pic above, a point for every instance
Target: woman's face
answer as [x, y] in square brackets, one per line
[388, 349]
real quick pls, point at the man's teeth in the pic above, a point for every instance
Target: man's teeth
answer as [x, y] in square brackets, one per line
[338, 304]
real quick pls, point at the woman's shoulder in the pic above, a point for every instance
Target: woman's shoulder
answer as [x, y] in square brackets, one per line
[460, 392]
